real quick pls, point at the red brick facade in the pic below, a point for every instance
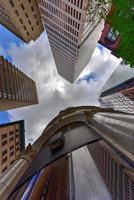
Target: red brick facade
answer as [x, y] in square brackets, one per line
[106, 42]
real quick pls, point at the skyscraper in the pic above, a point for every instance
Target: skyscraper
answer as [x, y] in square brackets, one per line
[120, 97]
[12, 143]
[94, 161]
[22, 18]
[16, 89]
[117, 174]
[73, 29]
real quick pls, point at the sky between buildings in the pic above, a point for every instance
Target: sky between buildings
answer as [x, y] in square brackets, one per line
[36, 60]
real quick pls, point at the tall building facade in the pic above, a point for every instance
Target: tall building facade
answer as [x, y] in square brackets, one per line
[73, 32]
[12, 137]
[22, 18]
[100, 168]
[117, 174]
[16, 89]
[120, 97]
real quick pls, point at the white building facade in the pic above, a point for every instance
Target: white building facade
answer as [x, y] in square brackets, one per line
[72, 33]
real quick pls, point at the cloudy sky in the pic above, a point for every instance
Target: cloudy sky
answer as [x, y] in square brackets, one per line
[36, 60]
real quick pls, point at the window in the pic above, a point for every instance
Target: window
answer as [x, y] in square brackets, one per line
[22, 7]
[11, 3]
[4, 152]
[11, 153]
[29, 22]
[17, 149]
[21, 21]
[11, 162]
[29, 1]
[26, 15]
[32, 28]
[4, 136]
[25, 27]
[32, 8]
[4, 160]
[28, 33]
[17, 130]
[17, 13]
[17, 143]
[4, 143]
[11, 147]
[81, 4]
[10, 133]
[11, 139]
[79, 16]
[4, 169]
[37, 22]
[35, 16]
[113, 35]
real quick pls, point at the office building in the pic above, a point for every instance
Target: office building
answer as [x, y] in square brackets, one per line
[22, 18]
[120, 97]
[117, 174]
[95, 160]
[16, 89]
[12, 137]
[73, 32]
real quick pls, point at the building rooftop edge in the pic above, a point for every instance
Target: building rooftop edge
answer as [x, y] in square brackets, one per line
[11, 123]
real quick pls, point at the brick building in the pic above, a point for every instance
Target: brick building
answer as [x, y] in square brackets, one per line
[110, 38]
[16, 89]
[12, 142]
[22, 18]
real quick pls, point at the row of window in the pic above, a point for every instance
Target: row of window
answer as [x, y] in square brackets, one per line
[20, 86]
[64, 59]
[62, 47]
[57, 51]
[11, 153]
[5, 141]
[71, 33]
[11, 134]
[73, 12]
[78, 3]
[58, 30]
[56, 33]
[21, 21]
[61, 23]
[61, 16]
[62, 43]
[64, 50]
[12, 3]
[68, 8]
[119, 104]
[5, 168]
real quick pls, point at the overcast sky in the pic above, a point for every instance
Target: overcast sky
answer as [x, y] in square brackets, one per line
[35, 59]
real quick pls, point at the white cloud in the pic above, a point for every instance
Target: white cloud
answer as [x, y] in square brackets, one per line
[2, 52]
[55, 93]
